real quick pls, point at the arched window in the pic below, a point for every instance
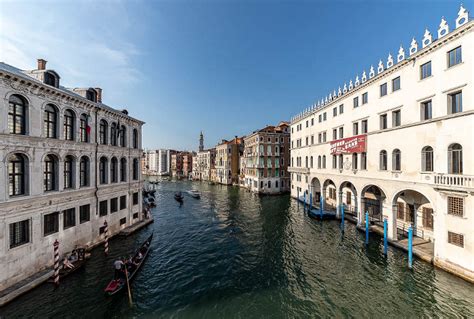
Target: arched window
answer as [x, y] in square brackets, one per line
[123, 170]
[17, 170]
[276, 184]
[396, 160]
[50, 127]
[84, 172]
[103, 128]
[50, 173]
[311, 161]
[114, 170]
[383, 160]
[69, 120]
[103, 163]
[69, 172]
[354, 160]
[306, 162]
[319, 161]
[324, 161]
[135, 138]
[113, 134]
[17, 115]
[455, 159]
[123, 136]
[84, 128]
[427, 159]
[135, 169]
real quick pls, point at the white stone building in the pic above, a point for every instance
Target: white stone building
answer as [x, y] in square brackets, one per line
[205, 161]
[398, 143]
[159, 162]
[68, 164]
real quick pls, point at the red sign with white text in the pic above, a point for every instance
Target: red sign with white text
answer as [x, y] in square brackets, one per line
[354, 144]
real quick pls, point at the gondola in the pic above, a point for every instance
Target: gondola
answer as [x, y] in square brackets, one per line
[116, 285]
[194, 194]
[79, 263]
[179, 197]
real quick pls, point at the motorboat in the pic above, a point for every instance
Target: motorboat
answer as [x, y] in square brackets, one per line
[194, 194]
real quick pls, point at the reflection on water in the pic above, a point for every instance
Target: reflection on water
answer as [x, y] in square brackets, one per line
[234, 254]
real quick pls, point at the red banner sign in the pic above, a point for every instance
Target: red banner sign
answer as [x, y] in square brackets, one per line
[354, 144]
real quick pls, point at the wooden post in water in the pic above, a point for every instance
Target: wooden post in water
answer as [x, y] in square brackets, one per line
[106, 236]
[341, 207]
[56, 262]
[385, 229]
[366, 228]
[410, 246]
[304, 199]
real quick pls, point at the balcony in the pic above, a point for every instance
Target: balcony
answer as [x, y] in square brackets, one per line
[301, 170]
[454, 180]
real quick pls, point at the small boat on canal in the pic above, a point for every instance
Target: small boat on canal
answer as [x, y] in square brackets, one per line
[116, 285]
[179, 197]
[194, 194]
[76, 259]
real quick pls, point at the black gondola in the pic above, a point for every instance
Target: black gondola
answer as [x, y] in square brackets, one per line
[116, 285]
[179, 197]
[78, 263]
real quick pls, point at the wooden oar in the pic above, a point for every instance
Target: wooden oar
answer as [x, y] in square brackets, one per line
[128, 287]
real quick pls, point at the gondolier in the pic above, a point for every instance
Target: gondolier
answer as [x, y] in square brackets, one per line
[118, 266]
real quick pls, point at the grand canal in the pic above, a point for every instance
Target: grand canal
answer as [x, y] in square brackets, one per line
[232, 254]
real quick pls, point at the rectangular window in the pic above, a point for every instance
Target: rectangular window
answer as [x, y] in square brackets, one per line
[425, 70]
[324, 137]
[69, 218]
[348, 198]
[135, 216]
[383, 121]
[454, 57]
[427, 218]
[320, 138]
[355, 128]
[354, 161]
[324, 116]
[51, 223]
[135, 198]
[334, 112]
[123, 221]
[307, 123]
[455, 102]
[123, 202]
[334, 134]
[84, 213]
[364, 127]
[396, 118]
[363, 161]
[320, 118]
[456, 239]
[383, 89]
[341, 108]
[396, 84]
[312, 139]
[425, 110]
[103, 209]
[114, 205]
[312, 123]
[341, 161]
[456, 206]
[19, 233]
[356, 102]
[334, 161]
[341, 132]
[365, 98]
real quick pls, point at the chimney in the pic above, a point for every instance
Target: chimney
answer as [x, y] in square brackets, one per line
[99, 95]
[42, 64]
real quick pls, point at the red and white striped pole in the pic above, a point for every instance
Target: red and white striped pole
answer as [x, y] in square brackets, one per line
[56, 262]
[106, 235]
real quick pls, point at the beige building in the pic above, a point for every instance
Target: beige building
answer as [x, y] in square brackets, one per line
[266, 155]
[227, 164]
[69, 163]
[205, 162]
[398, 143]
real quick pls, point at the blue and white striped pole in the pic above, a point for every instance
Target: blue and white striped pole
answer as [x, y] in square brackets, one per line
[385, 229]
[410, 246]
[366, 228]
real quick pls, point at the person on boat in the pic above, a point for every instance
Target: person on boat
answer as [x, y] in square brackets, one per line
[118, 266]
[73, 257]
[67, 263]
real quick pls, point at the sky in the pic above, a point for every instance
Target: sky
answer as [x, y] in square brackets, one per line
[226, 67]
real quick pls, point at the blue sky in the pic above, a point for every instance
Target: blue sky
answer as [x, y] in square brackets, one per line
[225, 67]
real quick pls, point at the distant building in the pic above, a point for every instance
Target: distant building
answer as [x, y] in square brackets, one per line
[227, 162]
[158, 162]
[187, 164]
[267, 156]
[205, 162]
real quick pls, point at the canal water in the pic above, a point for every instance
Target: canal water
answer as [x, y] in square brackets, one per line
[232, 254]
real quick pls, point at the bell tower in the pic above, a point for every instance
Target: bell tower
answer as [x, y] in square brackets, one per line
[201, 142]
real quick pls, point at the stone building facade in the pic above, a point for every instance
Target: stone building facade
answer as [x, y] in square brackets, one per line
[267, 156]
[227, 164]
[398, 144]
[68, 164]
[205, 163]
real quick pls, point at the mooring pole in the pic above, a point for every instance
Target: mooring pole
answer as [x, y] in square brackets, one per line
[342, 217]
[321, 207]
[298, 195]
[410, 246]
[56, 262]
[106, 238]
[366, 228]
[304, 199]
[385, 229]
[310, 200]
